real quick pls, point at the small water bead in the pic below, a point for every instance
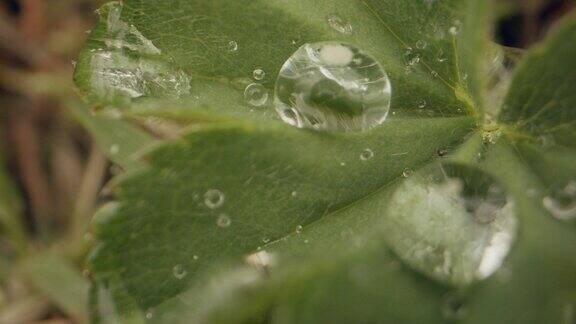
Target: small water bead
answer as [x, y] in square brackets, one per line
[179, 271]
[561, 203]
[339, 24]
[434, 73]
[421, 44]
[442, 152]
[256, 94]
[421, 103]
[332, 86]
[214, 198]
[441, 57]
[259, 74]
[232, 46]
[406, 173]
[299, 229]
[223, 221]
[366, 155]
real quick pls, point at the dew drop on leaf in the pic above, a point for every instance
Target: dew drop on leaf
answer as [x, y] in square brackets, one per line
[421, 103]
[298, 229]
[223, 221]
[406, 173]
[232, 46]
[339, 24]
[421, 44]
[561, 202]
[256, 95]
[179, 271]
[440, 56]
[452, 223]
[332, 86]
[259, 74]
[214, 198]
[441, 152]
[366, 155]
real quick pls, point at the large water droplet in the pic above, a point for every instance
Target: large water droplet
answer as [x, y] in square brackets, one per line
[179, 271]
[214, 198]
[339, 24]
[561, 202]
[452, 223]
[256, 94]
[332, 86]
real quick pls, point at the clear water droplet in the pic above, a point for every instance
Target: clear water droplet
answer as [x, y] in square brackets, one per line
[339, 24]
[214, 198]
[442, 152]
[232, 46]
[259, 74]
[561, 202]
[149, 314]
[406, 173]
[450, 222]
[434, 73]
[441, 57]
[256, 94]
[223, 221]
[298, 229]
[366, 155]
[421, 44]
[332, 86]
[421, 103]
[179, 271]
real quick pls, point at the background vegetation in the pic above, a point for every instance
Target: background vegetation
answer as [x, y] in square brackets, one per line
[53, 174]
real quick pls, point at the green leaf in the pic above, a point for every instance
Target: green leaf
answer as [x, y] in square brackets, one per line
[293, 176]
[119, 140]
[59, 280]
[205, 201]
[541, 99]
[141, 50]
